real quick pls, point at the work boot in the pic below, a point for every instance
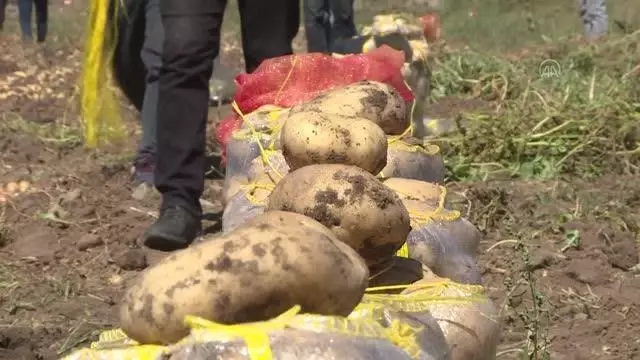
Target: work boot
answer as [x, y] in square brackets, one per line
[175, 229]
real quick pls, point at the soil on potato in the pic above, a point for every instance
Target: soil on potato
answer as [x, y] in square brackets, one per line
[70, 244]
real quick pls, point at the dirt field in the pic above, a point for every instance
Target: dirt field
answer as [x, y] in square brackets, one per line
[559, 255]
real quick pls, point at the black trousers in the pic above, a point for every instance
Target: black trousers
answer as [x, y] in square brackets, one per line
[3, 9]
[321, 35]
[192, 41]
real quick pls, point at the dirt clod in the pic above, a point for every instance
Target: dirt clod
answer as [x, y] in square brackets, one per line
[132, 260]
[89, 241]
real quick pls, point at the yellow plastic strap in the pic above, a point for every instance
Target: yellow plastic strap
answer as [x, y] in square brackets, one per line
[404, 251]
[252, 187]
[422, 296]
[99, 106]
[255, 335]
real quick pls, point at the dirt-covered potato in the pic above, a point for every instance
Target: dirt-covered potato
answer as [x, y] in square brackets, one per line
[356, 206]
[472, 329]
[263, 268]
[372, 100]
[318, 138]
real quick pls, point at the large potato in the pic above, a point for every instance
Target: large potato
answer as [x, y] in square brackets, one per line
[314, 137]
[263, 268]
[374, 101]
[472, 329]
[356, 206]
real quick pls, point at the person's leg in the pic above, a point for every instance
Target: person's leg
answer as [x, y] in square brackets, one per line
[352, 45]
[24, 13]
[316, 25]
[3, 9]
[594, 17]
[152, 57]
[344, 26]
[42, 19]
[268, 28]
[191, 42]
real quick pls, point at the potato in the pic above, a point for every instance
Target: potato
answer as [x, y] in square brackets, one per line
[439, 238]
[472, 330]
[356, 206]
[374, 101]
[409, 159]
[399, 271]
[317, 138]
[260, 270]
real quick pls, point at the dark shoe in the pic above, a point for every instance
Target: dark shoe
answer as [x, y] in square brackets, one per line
[175, 229]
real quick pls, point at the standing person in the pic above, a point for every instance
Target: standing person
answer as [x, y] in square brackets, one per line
[25, 10]
[3, 9]
[594, 18]
[320, 31]
[151, 54]
[192, 41]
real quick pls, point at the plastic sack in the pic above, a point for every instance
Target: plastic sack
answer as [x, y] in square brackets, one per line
[251, 191]
[472, 329]
[295, 345]
[259, 133]
[440, 238]
[288, 336]
[412, 307]
[409, 159]
[398, 271]
[289, 80]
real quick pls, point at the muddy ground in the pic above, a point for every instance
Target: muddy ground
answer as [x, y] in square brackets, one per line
[69, 244]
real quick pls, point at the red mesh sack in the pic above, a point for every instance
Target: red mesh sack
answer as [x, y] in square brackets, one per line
[289, 80]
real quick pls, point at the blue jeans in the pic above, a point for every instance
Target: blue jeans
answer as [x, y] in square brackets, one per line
[25, 9]
[594, 17]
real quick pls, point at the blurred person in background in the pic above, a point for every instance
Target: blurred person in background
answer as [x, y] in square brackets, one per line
[25, 11]
[328, 21]
[191, 43]
[3, 9]
[151, 54]
[594, 18]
